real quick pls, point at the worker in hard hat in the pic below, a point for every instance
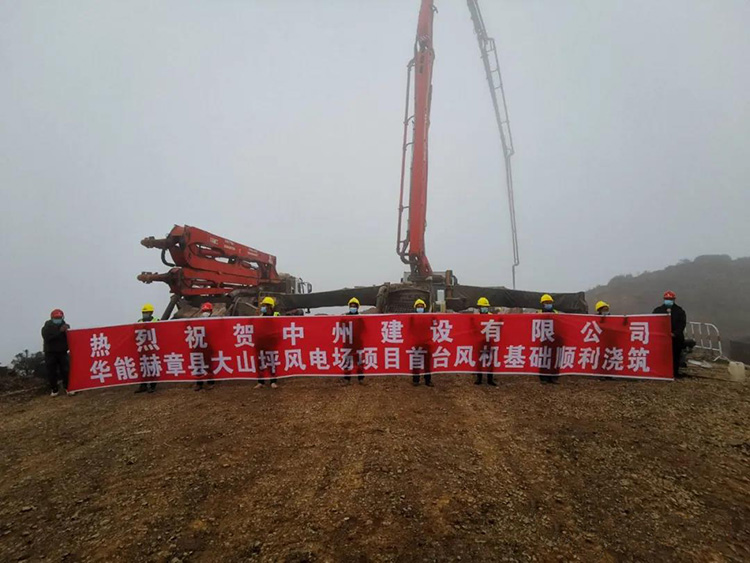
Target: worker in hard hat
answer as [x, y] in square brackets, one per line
[206, 311]
[354, 310]
[55, 338]
[420, 307]
[147, 316]
[602, 309]
[548, 306]
[678, 319]
[353, 306]
[267, 309]
[483, 304]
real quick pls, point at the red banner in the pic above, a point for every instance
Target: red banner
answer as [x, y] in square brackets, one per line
[222, 348]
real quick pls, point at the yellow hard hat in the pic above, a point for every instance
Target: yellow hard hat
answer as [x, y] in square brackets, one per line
[419, 302]
[546, 298]
[147, 308]
[483, 302]
[354, 301]
[268, 301]
[601, 304]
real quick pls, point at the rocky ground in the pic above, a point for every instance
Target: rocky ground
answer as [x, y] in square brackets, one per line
[318, 470]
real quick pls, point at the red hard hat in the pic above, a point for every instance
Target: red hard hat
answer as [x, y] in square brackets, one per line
[57, 314]
[207, 307]
[669, 295]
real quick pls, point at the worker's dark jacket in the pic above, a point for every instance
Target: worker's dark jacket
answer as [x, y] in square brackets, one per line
[55, 340]
[678, 316]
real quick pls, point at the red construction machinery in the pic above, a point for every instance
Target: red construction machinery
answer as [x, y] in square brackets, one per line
[205, 266]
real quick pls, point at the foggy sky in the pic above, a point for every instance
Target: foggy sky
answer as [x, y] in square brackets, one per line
[277, 124]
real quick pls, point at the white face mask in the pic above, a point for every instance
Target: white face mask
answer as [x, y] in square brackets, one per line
[205, 314]
[420, 309]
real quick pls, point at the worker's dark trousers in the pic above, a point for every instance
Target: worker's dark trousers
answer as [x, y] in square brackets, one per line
[147, 386]
[58, 367]
[359, 377]
[677, 344]
[262, 380]
[490, 378]
[427, 378]
[548, 378]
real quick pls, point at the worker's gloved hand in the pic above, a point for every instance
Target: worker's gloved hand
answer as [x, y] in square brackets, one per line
[64, 328]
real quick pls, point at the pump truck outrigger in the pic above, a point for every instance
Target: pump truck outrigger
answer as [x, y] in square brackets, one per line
[207, 266]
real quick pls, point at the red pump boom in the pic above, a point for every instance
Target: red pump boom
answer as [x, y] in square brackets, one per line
[411, 247]
[206, 266]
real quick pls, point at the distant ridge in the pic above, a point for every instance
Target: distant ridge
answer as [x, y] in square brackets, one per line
[712, 288]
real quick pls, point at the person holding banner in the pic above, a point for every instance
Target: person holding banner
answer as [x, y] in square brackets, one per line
[354, 310]
[267, 309]
[602, 309]
[207, 310]
[55, 337]
[484, 309]
[679, 323]
[548, 306]
[420, 307]
[547, 303]
[147, 316]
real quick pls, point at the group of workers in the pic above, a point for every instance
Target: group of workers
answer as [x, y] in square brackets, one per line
[54, 335]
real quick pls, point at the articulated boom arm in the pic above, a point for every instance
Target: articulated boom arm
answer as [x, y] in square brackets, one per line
[411, 246]
[206, 264]
[488, 51]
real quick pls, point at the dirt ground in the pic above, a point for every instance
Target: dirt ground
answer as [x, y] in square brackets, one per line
[318, 470]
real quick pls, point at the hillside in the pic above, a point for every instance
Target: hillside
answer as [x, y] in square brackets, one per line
[318, 471]
[711, 288]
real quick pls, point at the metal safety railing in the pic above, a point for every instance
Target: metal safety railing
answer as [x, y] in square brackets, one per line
[707, 337]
